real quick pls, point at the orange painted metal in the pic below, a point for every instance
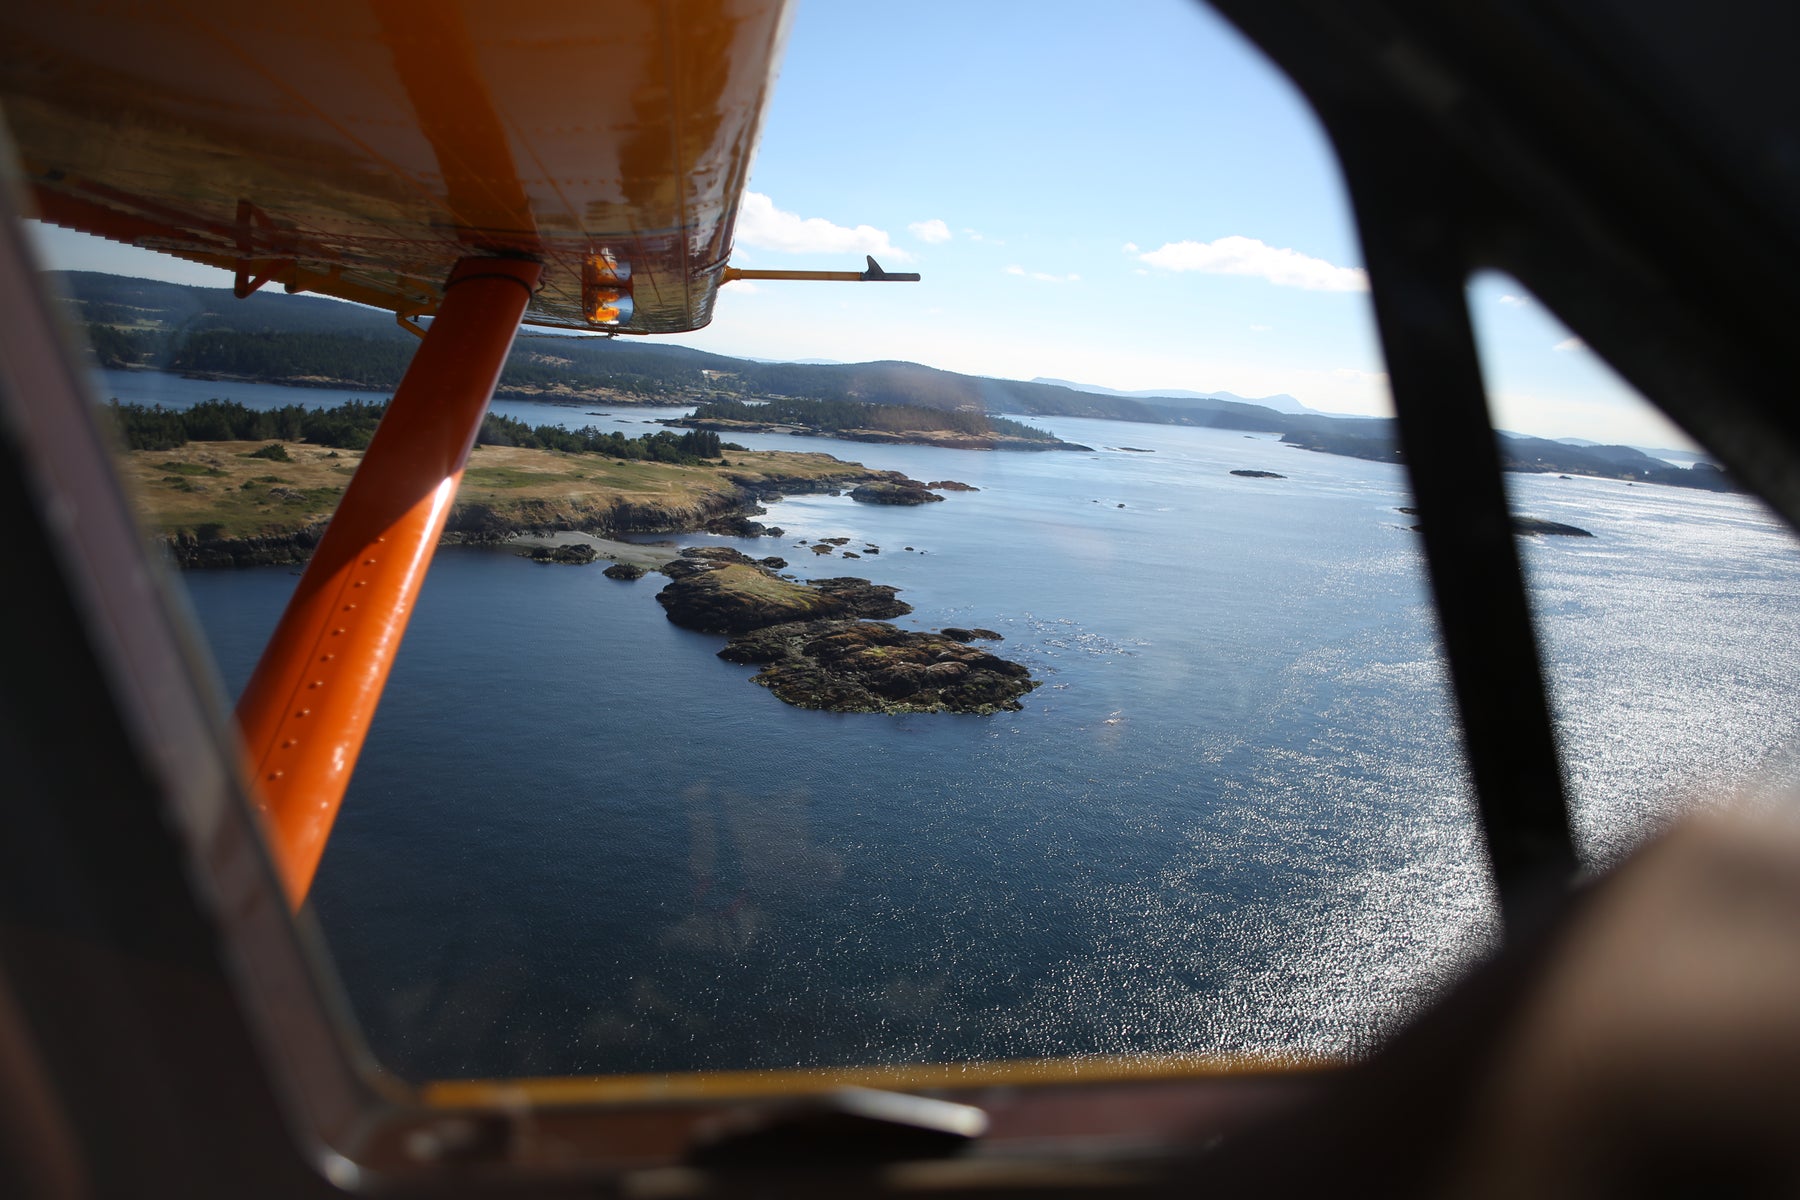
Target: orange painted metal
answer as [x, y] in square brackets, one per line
[308, 707]
[361, 147]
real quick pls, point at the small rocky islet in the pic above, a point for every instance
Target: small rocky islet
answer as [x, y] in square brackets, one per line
[1521, 525]
[823, 644]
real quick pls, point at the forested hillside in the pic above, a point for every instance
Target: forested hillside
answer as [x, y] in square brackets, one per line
[309, 341]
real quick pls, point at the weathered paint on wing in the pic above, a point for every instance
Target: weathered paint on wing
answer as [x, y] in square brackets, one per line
[360, 148]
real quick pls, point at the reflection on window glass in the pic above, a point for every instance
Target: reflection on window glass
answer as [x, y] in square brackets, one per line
[1665, 597]
[1231, 815]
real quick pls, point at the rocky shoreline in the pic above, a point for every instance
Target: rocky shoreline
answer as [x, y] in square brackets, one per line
[730, 512]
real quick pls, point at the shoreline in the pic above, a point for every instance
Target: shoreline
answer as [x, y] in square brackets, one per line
[228, 504]
[650, 556]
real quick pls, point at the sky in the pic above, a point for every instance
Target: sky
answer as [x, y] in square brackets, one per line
[1127, 195]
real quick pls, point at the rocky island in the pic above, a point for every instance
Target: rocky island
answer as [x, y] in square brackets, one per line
[817, 649]
[1523, 526]
[885, 491]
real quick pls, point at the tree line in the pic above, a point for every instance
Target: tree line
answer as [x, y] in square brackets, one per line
[350, 426]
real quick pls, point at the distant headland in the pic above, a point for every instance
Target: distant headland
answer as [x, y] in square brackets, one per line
[854, 421]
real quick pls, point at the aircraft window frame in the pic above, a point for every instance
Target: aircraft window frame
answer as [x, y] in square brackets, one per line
[362, 1128]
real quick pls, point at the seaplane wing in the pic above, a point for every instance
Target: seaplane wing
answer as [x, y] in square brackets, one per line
[360, 148]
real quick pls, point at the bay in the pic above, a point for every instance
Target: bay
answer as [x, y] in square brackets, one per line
[1233, 818]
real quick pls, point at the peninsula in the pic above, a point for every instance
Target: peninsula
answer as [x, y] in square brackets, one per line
[219, 498]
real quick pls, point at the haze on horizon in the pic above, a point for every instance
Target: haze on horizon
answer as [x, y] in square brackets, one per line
[1134, 201]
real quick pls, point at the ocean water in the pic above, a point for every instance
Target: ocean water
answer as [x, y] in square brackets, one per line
[1234, 817]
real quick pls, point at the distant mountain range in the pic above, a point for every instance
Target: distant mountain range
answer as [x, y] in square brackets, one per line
[313, 342]
[1172, 397]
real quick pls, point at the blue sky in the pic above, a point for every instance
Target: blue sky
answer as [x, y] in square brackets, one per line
[1126, 195]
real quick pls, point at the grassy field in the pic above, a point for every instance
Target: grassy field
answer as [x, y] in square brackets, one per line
[223, 490]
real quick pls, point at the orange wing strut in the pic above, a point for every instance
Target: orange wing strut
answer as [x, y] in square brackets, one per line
[308, 706]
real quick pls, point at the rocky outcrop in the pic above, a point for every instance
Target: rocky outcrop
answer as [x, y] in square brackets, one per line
[732, 597]
[1258, 475]
[903, 491]
[958, 634]
[1533, 526]
[817, 650]
[625, 571]
[871, 666]
[190, 550]
[951, 485]
[1523, 526]
[739, 524]
[577, 555]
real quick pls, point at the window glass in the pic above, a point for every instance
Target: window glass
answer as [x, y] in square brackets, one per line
[1666, 609]
[1232, 814]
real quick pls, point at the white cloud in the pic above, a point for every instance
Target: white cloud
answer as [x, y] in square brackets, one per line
[1512, 301]
[763, 225]
[1042, 276]
[933, 231]
[1237, 255]
[1130, 247]
[1573, 343]
[1261, 328]
[743, 287]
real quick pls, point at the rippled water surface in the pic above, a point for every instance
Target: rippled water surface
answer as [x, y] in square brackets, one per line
[1233, 817]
